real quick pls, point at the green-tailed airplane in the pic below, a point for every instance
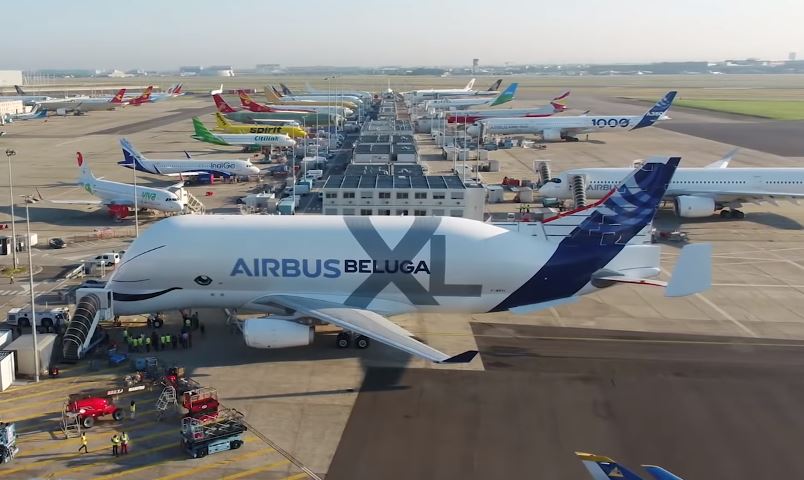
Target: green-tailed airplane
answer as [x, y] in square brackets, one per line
[240, 139]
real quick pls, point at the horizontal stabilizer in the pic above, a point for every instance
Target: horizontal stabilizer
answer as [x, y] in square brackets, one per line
[535, 307]
[693, 272]
[464, 357]
[659, 473]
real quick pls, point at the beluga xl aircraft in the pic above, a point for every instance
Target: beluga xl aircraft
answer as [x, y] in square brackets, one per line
[370, 268]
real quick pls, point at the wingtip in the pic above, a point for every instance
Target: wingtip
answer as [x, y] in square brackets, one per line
[464, 357]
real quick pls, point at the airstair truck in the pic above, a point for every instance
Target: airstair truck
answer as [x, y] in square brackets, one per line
[8, 442]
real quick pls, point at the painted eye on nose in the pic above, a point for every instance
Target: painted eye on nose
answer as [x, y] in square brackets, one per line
[203, 280]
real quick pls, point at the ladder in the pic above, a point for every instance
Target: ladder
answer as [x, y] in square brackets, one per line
[167, 398]
[194, 205]
[70, 425]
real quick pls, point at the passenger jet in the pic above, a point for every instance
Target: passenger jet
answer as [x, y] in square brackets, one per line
[187, 167]
[119, 198]
[695, 192]
[568, 128]
[557, 105]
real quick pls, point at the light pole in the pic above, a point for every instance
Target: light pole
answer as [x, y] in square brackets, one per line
[10, 153]
[136, 207]
[29, 199]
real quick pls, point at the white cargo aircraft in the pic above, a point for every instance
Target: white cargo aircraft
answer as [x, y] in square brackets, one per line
[185, 167]
[353, 271]
[568, 128]
[695, 192]
[119, 197]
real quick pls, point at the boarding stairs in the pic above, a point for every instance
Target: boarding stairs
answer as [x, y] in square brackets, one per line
[578, 183]
[166, 399]
[193, 204]
[94, 305]
[543, 169]
[70, 425]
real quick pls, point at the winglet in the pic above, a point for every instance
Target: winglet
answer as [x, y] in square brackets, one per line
[657, 111]
[464, 357]
[724, 162]
[79, 158]
[601, 467]
[693, 272]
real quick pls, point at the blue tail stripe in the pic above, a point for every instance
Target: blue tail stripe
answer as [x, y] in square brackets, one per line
[656, 112]
[598, 238]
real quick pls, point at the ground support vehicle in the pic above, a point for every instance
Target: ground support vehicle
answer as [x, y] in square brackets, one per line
[225, 432]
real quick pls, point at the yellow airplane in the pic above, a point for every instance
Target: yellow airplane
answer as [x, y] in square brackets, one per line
[224, 125]
[273, 98]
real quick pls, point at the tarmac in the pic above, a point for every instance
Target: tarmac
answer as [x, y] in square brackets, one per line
[704, 385]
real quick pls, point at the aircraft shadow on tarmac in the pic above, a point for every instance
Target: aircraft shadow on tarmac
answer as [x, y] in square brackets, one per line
[666, 219]
[89, 216]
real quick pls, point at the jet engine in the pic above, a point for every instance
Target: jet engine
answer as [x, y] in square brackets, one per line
[694, 207]
[551, 135]
[118, 211]
[276, 332]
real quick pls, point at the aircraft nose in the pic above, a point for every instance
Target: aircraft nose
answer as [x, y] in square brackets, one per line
[473, 130]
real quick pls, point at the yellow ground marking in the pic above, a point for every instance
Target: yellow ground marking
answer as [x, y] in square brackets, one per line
[209, 466]
[24, 440]
[16, 398]
[71, 379]
[230, 459]
[58, 410]
[297, 476]
[252, 471]
[106, 448]
[68, 471]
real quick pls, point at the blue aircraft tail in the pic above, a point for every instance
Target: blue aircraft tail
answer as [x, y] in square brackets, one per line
[41, 113]
[656, 112]
[592, 236]
[604, 468]
[131, 157]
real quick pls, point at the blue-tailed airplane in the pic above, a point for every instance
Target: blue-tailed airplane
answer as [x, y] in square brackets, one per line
[604, 468]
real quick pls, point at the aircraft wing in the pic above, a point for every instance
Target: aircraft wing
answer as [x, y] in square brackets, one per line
[365, 322]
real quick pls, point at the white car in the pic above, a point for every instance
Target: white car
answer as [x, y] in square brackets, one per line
[107, 259]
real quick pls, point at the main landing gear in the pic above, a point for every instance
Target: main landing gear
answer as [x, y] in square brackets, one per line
[732, 213]
[344, 339]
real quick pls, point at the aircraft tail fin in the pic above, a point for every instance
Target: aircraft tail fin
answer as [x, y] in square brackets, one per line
[39, 113]
[220, 121]
[118, 98]
[271, 95]
[494, 86]
[657, 111]
[221, 104]
[604, 468]
[83, 167]
[470, 84]
[201, 131]
[558, 103]
[285, 89]
[177, 90]
[131, 157]
[19, 90]
[247, 102]
[506, 96]
[143, 98]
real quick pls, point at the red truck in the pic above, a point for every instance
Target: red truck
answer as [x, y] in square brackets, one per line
[90, 408]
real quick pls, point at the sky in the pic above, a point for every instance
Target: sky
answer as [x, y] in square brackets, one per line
[165, 35]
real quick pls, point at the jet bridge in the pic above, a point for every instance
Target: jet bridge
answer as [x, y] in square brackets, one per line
[93, 305]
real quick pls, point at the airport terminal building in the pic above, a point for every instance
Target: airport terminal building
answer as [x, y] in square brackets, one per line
[371, 190]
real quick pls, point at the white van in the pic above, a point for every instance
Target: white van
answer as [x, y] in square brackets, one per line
[314, 174]
[107, 260]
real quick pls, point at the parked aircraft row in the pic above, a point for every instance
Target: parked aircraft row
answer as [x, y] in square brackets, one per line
[84, 103]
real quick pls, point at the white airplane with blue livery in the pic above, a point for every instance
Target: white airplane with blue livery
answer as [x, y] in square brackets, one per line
[356, 271]
[569, 127]
[695, 191]
[185, 167]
